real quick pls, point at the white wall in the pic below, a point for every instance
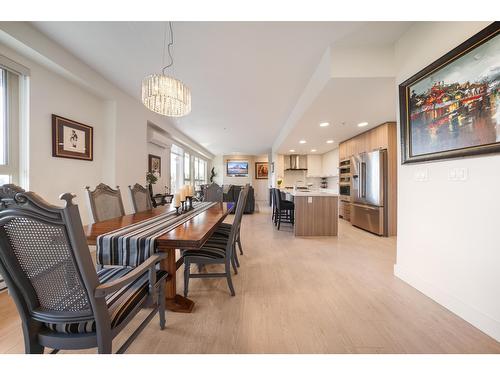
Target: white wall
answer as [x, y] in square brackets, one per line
[52, 94]
[61, 84]
[260, 186]
[448, 244]
[218, 164]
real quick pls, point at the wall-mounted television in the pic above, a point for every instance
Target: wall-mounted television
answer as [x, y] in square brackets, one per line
[237, 168]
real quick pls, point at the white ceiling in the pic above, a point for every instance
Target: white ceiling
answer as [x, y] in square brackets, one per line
[245, 77]
[344, 103]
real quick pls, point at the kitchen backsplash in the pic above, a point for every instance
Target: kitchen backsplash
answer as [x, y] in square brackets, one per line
[299, 178]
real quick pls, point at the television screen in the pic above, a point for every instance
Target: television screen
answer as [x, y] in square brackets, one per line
[237, 168]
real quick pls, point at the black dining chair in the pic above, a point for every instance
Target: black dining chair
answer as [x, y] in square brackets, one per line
[218, 249]
[284, 210]
[224, 229]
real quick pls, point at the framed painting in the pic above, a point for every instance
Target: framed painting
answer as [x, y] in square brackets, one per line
[71, 139]
[154, 164]
[261, 170]
[452, 107]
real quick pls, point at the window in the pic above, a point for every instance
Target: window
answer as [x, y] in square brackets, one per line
[187, 169]
[200, 172]
[9, 127]
[13, 87]
[176, 168]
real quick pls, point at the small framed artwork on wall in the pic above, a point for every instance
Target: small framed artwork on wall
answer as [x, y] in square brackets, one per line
[261, 170]
[154, 164]
[71, 139]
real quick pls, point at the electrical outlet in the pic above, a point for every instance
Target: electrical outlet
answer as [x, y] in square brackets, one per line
[309, 199]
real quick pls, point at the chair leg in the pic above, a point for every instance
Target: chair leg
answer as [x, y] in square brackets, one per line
[30, 333]
[161, 307]
[279, 220]
[187, 266]
[229, 280]
[235, 266]
[238, 241]
[235, 256]
[104, 342]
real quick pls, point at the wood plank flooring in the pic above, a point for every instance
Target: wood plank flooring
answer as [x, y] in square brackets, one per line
[300, 295]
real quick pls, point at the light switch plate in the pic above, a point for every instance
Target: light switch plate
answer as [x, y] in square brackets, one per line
[309, 199]
[458, 174]
[421, 175]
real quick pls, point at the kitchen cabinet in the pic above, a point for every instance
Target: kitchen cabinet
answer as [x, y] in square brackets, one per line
[330, 163]
[314, 166]
[345, 210]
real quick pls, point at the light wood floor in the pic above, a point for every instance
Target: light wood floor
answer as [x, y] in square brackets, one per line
[297, 295]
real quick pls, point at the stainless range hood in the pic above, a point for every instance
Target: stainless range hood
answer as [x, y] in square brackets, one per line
[295, 162]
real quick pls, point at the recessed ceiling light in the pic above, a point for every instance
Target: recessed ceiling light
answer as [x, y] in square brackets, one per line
[324, 124]
[361, 124]
[313, 150]
[292, 150]
[302, 141]
[329, 141]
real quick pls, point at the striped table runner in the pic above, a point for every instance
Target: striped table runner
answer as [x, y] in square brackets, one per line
[133, 244]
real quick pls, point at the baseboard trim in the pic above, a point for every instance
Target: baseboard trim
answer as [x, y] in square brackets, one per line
[481, 321]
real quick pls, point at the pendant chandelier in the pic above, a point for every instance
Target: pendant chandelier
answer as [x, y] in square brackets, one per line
[164, 94]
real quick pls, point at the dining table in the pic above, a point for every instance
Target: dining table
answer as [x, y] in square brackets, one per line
[191, 234]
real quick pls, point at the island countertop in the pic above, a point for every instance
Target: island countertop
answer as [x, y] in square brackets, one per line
[316, 193]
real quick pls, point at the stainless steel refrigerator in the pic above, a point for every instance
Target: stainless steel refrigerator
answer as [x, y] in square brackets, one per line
[368, 189]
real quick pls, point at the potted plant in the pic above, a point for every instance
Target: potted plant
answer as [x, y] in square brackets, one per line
[279, 181]
[151, 179]
[212, 174]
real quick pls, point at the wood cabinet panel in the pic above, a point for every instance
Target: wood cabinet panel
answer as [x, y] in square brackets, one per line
[316, 216]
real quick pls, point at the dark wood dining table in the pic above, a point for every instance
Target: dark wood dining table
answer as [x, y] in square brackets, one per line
[189, 235]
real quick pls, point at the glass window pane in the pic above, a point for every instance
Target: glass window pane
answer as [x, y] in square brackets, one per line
[3, 117]
[4, 179]
[186, 166]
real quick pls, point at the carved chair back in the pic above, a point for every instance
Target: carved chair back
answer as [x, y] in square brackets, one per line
[213, 193]
[46, 262]
[104, 202]
[141, 200]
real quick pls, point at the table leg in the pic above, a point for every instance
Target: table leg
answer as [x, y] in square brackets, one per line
[174, 301]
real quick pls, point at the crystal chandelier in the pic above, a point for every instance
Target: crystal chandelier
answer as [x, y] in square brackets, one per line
[164, 94]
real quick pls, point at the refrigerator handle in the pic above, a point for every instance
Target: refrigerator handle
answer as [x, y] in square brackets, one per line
[363, 180]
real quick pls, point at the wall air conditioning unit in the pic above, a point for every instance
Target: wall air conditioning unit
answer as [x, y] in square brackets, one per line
[158, 139]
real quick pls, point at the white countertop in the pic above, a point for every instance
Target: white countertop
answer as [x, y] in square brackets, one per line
[312, 193]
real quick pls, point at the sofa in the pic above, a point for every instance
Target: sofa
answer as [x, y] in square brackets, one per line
[232, 192]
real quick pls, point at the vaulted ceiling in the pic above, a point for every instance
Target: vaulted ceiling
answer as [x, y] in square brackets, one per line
[245, 77]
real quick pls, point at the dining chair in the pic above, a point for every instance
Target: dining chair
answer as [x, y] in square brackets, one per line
[213, 193]
[104, 202]
[139, 195]
[224, 229]
[217, 249]
[63, 302]
[285, 210]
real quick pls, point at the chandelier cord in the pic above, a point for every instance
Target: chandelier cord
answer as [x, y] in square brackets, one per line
[170, 44]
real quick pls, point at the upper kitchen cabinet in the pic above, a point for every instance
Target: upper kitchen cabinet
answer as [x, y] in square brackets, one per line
[374, 139]
[314, 166]
[330, 162]
[342, 151]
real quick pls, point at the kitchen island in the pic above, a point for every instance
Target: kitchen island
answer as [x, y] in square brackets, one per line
[316, 213]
